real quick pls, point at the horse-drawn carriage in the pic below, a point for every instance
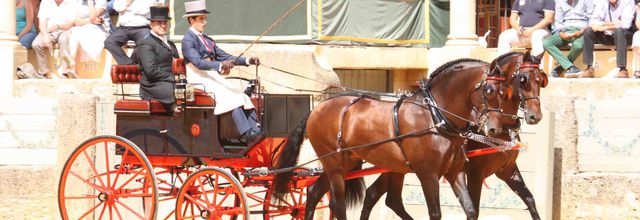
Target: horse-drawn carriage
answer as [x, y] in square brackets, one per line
[193, 160]
[195, 165]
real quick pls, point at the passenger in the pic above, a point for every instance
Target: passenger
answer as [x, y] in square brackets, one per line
[90, 30]
[206, 62]
[55, 25]
[26, 22]
[610, 25]
[571, 19]
[529, 25]
[155, 56]
[133, 24]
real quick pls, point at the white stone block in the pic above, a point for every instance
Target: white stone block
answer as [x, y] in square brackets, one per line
[608, 135]
[27, 157]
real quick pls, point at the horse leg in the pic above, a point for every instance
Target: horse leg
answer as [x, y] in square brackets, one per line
[337, 201]
[315, 192]
[512, 177]
[475, 190]
[431, 191]
[374, 192]
[458, 181]
[394, 198]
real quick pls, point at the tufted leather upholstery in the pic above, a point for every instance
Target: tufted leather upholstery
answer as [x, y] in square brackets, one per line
[125, 74]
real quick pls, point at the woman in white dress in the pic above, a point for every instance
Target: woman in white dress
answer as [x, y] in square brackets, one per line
[90, 30]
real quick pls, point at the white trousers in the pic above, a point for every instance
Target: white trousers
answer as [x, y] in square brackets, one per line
[228, 96]
[510, 38]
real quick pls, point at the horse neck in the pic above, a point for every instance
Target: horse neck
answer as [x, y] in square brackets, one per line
[453, 93]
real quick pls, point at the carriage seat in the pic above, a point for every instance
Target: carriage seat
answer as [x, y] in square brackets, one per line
[131, 74]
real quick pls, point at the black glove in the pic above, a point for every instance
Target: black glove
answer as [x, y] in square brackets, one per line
[254, 61]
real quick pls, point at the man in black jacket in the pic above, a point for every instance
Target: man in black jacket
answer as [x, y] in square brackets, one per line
[155, 55]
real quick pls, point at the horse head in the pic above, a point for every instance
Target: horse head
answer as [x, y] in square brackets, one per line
[528, 80]
[487, 100]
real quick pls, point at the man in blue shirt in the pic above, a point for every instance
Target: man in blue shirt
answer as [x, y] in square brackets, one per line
[571, 19]
[610, 24]
[529, 21]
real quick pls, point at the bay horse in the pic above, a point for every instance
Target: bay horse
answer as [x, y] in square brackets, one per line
[526, 81]
[429, 149]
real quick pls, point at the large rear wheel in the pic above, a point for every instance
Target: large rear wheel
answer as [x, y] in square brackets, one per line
[211, 193]
[97, 184]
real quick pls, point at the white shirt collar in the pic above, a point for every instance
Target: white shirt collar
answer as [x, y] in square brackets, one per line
[195, 31]
[163, 38]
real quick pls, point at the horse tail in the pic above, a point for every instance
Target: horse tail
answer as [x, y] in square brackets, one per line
[355, 189]
[289, 158]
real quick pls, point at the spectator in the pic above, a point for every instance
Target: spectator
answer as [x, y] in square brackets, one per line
[132, 25]
[90, 30]
[529, 21]
[25, 22]
[571, 19]
[635, 44]
[55, 25]
[610, 25]
[155, 55]
[207, 62]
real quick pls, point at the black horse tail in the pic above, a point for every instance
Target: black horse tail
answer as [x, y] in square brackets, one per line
[289, 158]
[355, 189]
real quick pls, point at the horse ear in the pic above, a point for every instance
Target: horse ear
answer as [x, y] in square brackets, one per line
[527, 55]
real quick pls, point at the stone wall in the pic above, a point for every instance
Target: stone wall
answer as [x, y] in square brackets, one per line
[592, 179]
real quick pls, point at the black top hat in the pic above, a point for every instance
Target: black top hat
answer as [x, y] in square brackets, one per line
[159, 13]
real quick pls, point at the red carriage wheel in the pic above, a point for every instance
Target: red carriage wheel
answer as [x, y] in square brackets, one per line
[169, 181]
[211, 193]
[96, 183]
[294, 205]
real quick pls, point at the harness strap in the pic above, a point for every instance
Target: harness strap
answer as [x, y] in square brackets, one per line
[396, 129]
[341, 121]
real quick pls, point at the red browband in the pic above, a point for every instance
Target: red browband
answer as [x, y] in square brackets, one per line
[530, 66]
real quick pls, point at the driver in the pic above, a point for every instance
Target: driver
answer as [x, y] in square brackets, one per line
[206, 62]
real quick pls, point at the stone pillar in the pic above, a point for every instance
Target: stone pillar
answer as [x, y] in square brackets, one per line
[462, 29]
[11, 51]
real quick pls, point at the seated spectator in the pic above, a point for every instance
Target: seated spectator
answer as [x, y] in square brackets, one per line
[90, 30]
[571, 19]
[529, 21]
[635, 43]
[610, 25]
[55, 25]
[133, 24]
[25, 22]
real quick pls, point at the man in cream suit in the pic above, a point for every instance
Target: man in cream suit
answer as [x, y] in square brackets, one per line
[206, 63]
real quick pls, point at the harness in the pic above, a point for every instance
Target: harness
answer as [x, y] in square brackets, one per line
[396, 129]
[341, 121]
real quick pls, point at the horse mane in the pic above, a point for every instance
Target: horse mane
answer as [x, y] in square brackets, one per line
[498, 60]
[438, 72]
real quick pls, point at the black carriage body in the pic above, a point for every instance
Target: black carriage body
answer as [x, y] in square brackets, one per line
[197, 132]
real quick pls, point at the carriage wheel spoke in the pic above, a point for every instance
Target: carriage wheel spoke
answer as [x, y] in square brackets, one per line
[194, 201]
[93, 168]
[131, 178]
[106, 155]
[204, 192]
[117, 211]
[115, 181]
[90, 210]
[130, 209]
[94, 186]
[104, 207]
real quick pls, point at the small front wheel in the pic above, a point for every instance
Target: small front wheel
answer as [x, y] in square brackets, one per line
[211, 193]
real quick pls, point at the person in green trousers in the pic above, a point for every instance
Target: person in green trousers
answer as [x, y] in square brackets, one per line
[571, 19]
